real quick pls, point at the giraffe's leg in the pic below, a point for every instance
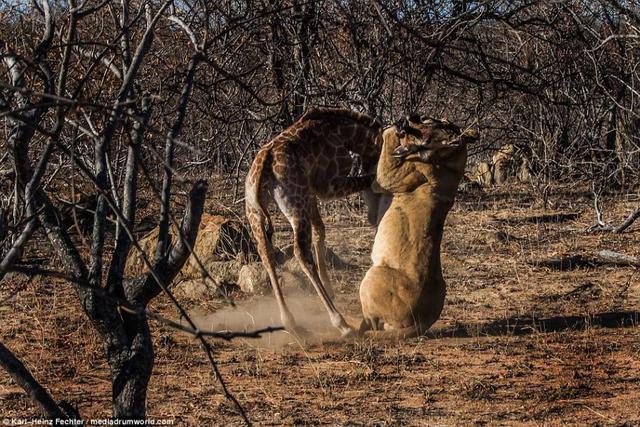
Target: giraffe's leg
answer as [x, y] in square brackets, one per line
[261, 229]
[297, 209]
[319, 247]
[302, 251]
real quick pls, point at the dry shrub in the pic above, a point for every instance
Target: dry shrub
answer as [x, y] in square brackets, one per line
[220, 241]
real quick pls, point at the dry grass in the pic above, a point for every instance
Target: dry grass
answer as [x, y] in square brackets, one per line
[476, 368]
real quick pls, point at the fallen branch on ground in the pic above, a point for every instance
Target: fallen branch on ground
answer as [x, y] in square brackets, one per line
[616, 258]
[627, 223]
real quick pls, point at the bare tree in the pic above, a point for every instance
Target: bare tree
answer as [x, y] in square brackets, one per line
[48, 115]
[113, 101]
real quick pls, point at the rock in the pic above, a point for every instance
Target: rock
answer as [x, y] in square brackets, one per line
[219, 240]
[253, 279]
[195, 289]
[221, 271]
[292, 276]
[224, 273]
[510, 163]
[333, 260]
[295, 280]
[284, 254]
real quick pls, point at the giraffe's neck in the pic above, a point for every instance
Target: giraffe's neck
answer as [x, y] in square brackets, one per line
[362, 140]
[345, 129]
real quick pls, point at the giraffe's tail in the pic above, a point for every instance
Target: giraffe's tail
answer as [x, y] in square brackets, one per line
[255, 205]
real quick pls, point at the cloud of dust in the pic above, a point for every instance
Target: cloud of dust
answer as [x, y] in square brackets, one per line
[260, 312]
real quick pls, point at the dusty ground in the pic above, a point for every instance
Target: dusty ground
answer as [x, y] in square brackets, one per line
[518, 343]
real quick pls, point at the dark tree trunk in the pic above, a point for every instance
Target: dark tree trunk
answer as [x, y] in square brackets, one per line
[131, 369]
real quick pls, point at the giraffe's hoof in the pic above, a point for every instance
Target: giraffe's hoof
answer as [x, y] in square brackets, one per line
[348, 332]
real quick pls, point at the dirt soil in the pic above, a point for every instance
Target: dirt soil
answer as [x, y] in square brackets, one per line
[518, 342]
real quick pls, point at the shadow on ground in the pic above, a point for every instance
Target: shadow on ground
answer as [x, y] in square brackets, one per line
[524, 325]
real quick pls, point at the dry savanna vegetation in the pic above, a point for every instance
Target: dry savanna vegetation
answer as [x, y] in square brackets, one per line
[130, 285]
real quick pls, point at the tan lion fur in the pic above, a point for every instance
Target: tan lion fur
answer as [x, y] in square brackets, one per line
[403, 293]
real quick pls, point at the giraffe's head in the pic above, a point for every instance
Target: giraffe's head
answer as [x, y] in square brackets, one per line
[431, 138]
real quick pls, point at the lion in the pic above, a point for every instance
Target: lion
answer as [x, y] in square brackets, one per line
[508, 164]
[421, 165]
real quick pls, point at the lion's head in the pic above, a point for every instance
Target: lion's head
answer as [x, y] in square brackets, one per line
[430, 137]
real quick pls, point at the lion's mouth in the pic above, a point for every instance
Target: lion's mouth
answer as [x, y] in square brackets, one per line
[401, 151]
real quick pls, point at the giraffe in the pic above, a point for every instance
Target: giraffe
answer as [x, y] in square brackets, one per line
[310, 160]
